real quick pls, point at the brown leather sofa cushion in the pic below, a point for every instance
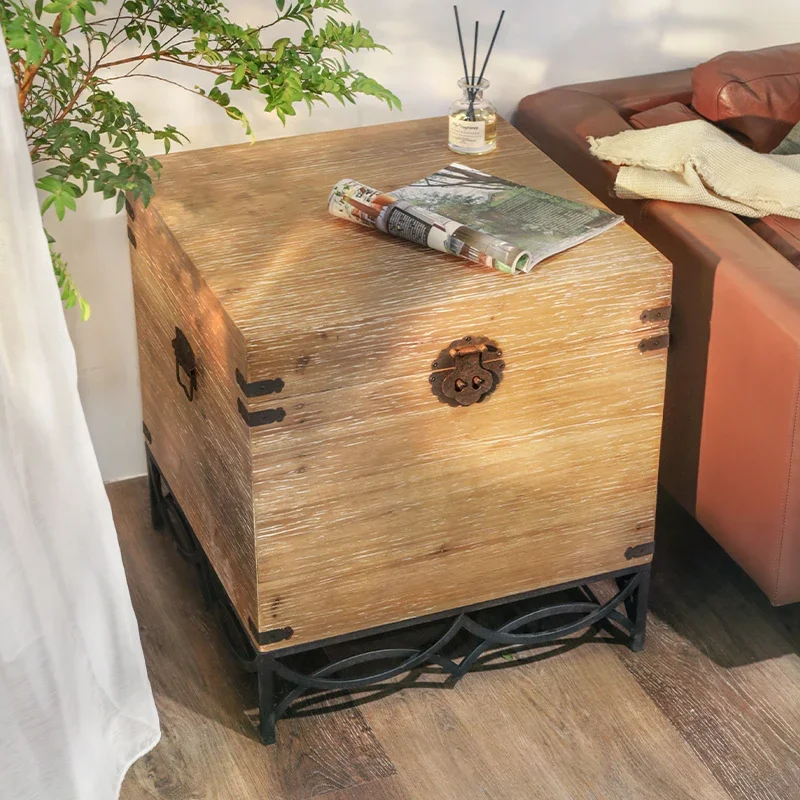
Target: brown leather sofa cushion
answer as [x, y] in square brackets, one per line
[663, 115]
[781, 233]
[754, 95]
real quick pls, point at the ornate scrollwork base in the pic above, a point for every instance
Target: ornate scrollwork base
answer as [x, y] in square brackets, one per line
[281, 685]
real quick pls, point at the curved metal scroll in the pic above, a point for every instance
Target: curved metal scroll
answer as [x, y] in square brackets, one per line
[591, 614]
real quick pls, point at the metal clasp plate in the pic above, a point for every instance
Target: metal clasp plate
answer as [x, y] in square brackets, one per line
[467, 371]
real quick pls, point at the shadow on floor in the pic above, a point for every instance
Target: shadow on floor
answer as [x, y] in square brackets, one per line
[700, 592]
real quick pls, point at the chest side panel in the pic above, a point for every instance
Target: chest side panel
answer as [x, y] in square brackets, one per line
[201, 446]
[375, 502]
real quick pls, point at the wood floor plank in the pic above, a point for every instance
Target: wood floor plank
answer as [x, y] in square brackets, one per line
[329, 753]
[387, 789]
[572, 726]
[209, 747]
[721, 664]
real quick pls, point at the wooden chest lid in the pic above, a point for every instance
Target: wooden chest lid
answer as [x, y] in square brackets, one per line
[253, 220]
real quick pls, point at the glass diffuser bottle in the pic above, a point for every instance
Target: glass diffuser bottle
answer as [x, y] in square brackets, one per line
[473, 121]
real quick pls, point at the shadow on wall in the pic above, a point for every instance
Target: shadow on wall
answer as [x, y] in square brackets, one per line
[632, 41]
[541, 45]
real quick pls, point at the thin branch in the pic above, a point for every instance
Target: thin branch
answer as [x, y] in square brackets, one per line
[184, 43]
[133, 69]
[117, 19]
[214, 69]
[141, 57]
[155, 78]
[171, 43]
[278, 18]
[32, 69]
[88, 51]
[219, 69]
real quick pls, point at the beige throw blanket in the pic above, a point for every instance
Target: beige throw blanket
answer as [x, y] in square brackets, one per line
[694, 162]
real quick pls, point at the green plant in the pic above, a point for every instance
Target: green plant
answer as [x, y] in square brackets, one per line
[67, 58]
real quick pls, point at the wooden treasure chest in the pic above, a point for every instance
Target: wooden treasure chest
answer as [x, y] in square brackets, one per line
[294, 373]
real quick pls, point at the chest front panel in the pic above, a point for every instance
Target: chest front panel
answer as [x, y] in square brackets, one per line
[376, 501]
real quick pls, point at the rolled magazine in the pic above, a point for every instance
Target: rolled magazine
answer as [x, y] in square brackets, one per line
[475, 216]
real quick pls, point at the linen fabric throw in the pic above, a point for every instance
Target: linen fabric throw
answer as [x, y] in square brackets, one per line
[695, 162]
[76, 707]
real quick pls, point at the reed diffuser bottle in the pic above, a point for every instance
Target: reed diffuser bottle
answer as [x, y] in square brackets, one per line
[473, 120]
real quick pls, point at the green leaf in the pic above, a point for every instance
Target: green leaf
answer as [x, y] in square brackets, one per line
[34, 52]
[59, 205]
[279, 47]
[49, 184]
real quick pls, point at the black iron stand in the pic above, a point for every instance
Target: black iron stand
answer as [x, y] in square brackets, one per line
[280, 685]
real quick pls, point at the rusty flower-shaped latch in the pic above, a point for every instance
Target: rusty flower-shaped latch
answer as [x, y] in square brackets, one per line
[467, 370]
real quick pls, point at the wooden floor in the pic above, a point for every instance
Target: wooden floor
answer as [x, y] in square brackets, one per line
[710, 709]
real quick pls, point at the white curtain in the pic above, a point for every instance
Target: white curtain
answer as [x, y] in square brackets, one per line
[76, 709]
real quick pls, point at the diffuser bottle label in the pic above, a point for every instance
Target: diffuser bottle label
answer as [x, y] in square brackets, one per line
[467, 134]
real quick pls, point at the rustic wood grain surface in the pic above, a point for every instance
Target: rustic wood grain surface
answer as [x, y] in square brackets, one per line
[203, 446]
[708, 711]
[368, 503]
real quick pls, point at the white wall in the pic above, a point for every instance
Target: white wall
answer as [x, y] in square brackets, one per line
[544, 43]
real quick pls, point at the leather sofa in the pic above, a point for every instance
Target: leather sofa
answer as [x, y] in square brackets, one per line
[731, 440]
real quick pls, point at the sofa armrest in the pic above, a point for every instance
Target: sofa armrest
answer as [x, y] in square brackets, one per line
[748, 482]
[642, 92]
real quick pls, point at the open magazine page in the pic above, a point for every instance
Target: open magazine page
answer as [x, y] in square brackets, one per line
[539, 223]
[479, 217]
[372, 208]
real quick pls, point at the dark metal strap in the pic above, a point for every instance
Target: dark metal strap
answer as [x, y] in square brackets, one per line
[259, 388]
[256, 418]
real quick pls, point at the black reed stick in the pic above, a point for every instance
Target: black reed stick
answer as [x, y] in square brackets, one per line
[474, 54]
[471, 88]
[461, 45]
[496, 31]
